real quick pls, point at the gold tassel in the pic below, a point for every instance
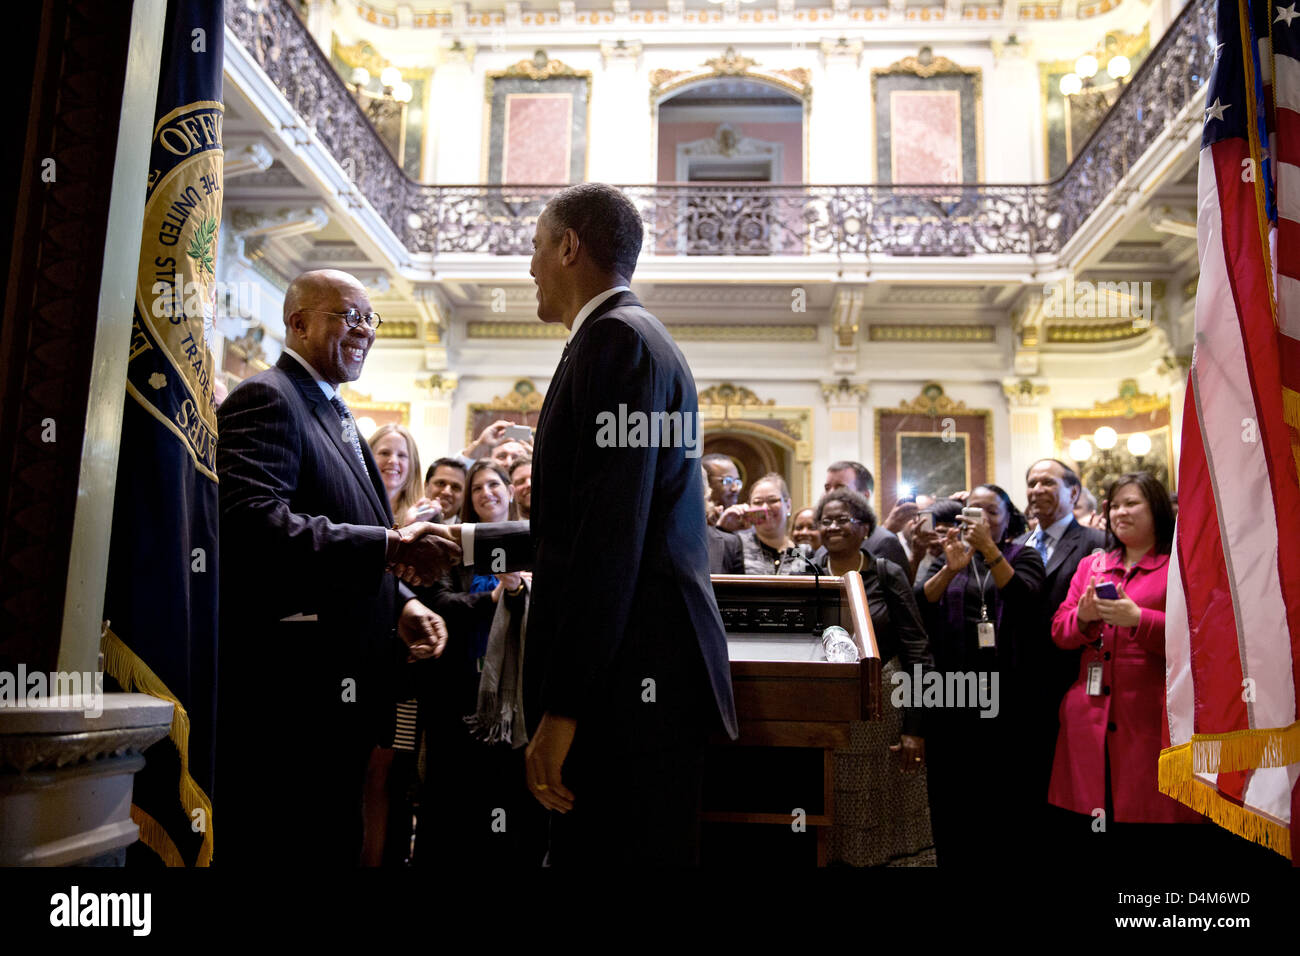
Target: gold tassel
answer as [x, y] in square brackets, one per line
[1246, 749]
[1291, 407]
[1174, 778]
[134, 674]
[156, 838]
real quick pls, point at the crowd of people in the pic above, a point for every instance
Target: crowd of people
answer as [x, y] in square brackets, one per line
[1046, 629]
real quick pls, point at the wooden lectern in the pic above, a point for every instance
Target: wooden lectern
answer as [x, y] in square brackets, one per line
[769, 796]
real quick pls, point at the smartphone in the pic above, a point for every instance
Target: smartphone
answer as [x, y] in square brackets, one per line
[927, 522]
[975, 515]
[429, 514]
[1107, 591]
[755, 515]
[518, 433]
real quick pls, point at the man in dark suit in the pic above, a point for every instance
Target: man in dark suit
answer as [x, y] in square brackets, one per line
[625, 667]
[312, 625]
[882, 542]
[1052, 490]
[725, 553]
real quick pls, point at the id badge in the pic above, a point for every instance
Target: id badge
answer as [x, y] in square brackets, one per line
[985, 631]
[1094, 679]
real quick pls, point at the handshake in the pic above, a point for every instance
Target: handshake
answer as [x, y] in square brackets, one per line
[422, 552]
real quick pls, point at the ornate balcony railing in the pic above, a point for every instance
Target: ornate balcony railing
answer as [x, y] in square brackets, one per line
[693, 219]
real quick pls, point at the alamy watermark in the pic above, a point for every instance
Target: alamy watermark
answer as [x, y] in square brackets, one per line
[638, 429]
[76, 689]
[1084, 299]
[953, 689]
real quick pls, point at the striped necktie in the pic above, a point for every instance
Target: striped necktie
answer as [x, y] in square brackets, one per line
[349, 430]
[1041, 545]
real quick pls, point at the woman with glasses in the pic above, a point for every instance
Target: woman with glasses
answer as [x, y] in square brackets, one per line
[766, 543]
[882, 812]
[980, 608]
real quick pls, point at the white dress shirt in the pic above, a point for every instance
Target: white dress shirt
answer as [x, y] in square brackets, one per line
[1053, 534]
[329, 390]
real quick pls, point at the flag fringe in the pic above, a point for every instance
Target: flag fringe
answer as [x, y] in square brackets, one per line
[156, 838]
[1245, 749]
[133, 674]
[1175, 778]
[1291, 407]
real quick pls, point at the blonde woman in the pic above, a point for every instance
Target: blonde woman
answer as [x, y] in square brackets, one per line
[399, 466]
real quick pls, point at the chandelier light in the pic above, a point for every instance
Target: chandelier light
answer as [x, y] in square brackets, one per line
[1139, 444]
[1105, 437]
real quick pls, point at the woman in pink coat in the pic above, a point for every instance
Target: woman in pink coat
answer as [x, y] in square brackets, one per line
[1114, 711]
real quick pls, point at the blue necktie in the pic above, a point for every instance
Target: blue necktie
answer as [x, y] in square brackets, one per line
[1041, 545]
[349, 430]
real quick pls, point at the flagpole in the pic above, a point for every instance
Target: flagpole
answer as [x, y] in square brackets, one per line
[83, 602]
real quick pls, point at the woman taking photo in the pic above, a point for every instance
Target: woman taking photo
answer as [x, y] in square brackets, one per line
[980, 607]
[766, 543]
[881, 809]
[467, 779]
[1112, 726]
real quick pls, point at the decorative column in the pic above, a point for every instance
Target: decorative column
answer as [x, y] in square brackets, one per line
[1030, 428]
[844, 400]
[839, 147]
[622, 115]
[457, 128]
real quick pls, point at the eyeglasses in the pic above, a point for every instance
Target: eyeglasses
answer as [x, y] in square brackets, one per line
[729, 482]
[352, 317]
[843, 521]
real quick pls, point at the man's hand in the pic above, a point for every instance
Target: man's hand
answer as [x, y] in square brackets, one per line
[544, 760]
[901, 514]
[423, 552]
[424, 632]
[488, 439]
[910, 752]
[733, 518]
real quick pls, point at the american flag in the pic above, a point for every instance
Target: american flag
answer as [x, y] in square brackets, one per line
[1232, 634]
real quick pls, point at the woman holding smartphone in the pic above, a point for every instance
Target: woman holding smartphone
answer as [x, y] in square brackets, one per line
[981, 607]
[766, 543]
[1112, 729]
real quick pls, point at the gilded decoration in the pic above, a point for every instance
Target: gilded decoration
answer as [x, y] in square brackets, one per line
[933, 402]
[1024, 393]
[538, 68]
[796, 82]
[524, 397]
[727, 394]
[1096, 331]
[887, 332]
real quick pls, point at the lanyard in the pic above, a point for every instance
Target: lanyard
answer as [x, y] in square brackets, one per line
[980, 582]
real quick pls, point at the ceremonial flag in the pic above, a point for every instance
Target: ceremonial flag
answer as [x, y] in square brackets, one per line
[1232, 636]
[161, 601]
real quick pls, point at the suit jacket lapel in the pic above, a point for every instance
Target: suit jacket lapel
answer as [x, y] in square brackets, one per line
[1065, 547]
[329, 420]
